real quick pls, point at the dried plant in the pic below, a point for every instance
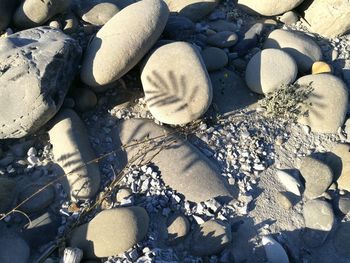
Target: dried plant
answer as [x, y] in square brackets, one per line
[289, 101]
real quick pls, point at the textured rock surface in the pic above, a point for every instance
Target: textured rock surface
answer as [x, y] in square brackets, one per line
[329, 95]
[318, 177]
[7, 194]
[319, 219]
[192, 9]
[301, 47]
[197, 177]
[269, 7]
[210, 238]
[178, 92]
[71, 149]
[12, 247]
[269, 69]
[121, 43]
[111, 232]
[328, 18]
[33, 13]
[36, 68]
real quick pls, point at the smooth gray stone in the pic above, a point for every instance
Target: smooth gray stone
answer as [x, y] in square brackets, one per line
[37, 67]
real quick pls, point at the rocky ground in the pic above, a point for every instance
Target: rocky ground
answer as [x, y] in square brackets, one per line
[176, 131]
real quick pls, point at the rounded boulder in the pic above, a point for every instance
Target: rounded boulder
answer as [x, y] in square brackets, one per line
[269, 7]
[269, 69]
[177, 92]
[111, 232]
[122, 42]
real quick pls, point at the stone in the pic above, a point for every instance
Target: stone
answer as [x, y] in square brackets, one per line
[319, 219]
[301, 47]
[329, 18]
[13, 247]
[37, 67]
[123, 194]
[268, 7]
[33, 13]
[178, 92]
[70, 23]
[289, 182]
[321, 67]
[179, 28]
[192, 9]
[192, 168]
[329, 94]
[269, 69]
[37, 203]
[210, 238]
[223, 39]
[121, 43]
[96, 12]
[344, 204]
[42, 230]
[289, 18]
[230, 92]
[341, 240]
[318, 177]
[222, 25]
[275, 253]
[72, 151]
[84, 98]
[214, 58]
[111, 232]
[249, 39]
[178, 228]
[283, 200]
[6, 11]
[7, 194]
[341, 166]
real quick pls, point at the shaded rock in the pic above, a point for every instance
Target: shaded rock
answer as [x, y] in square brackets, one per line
[289, 182]
[301, 47]
[344, 204]
[274, 251]
[111, 232]
[192, 9]
[38, 202]
[329, 94]
[37, 67]
[121, 43]
[269, 69]
[230, 92]
[289, 18]
[321, 67]
[341, 240]
[42, 230]
[178, 92]
[70, 23]
[193, 169]
[7, 194]
[214, 58]
[269, 7]
[33, 13]
[13, 247]
[341, 165]
[223, 39]
[72, 151]
[6, 11]
[328, 18]
[249, 39]
[318, 177]
[283, 200]
[179, 28]
[319, 219]
[222, 25]
[210, 238]
[85, 99]
[178, 228]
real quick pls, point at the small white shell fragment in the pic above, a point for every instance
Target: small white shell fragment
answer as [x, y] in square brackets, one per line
[274, 251]
[72, 255]
[289, 182]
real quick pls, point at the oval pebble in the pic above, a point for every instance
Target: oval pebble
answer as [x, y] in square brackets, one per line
[214, 58]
